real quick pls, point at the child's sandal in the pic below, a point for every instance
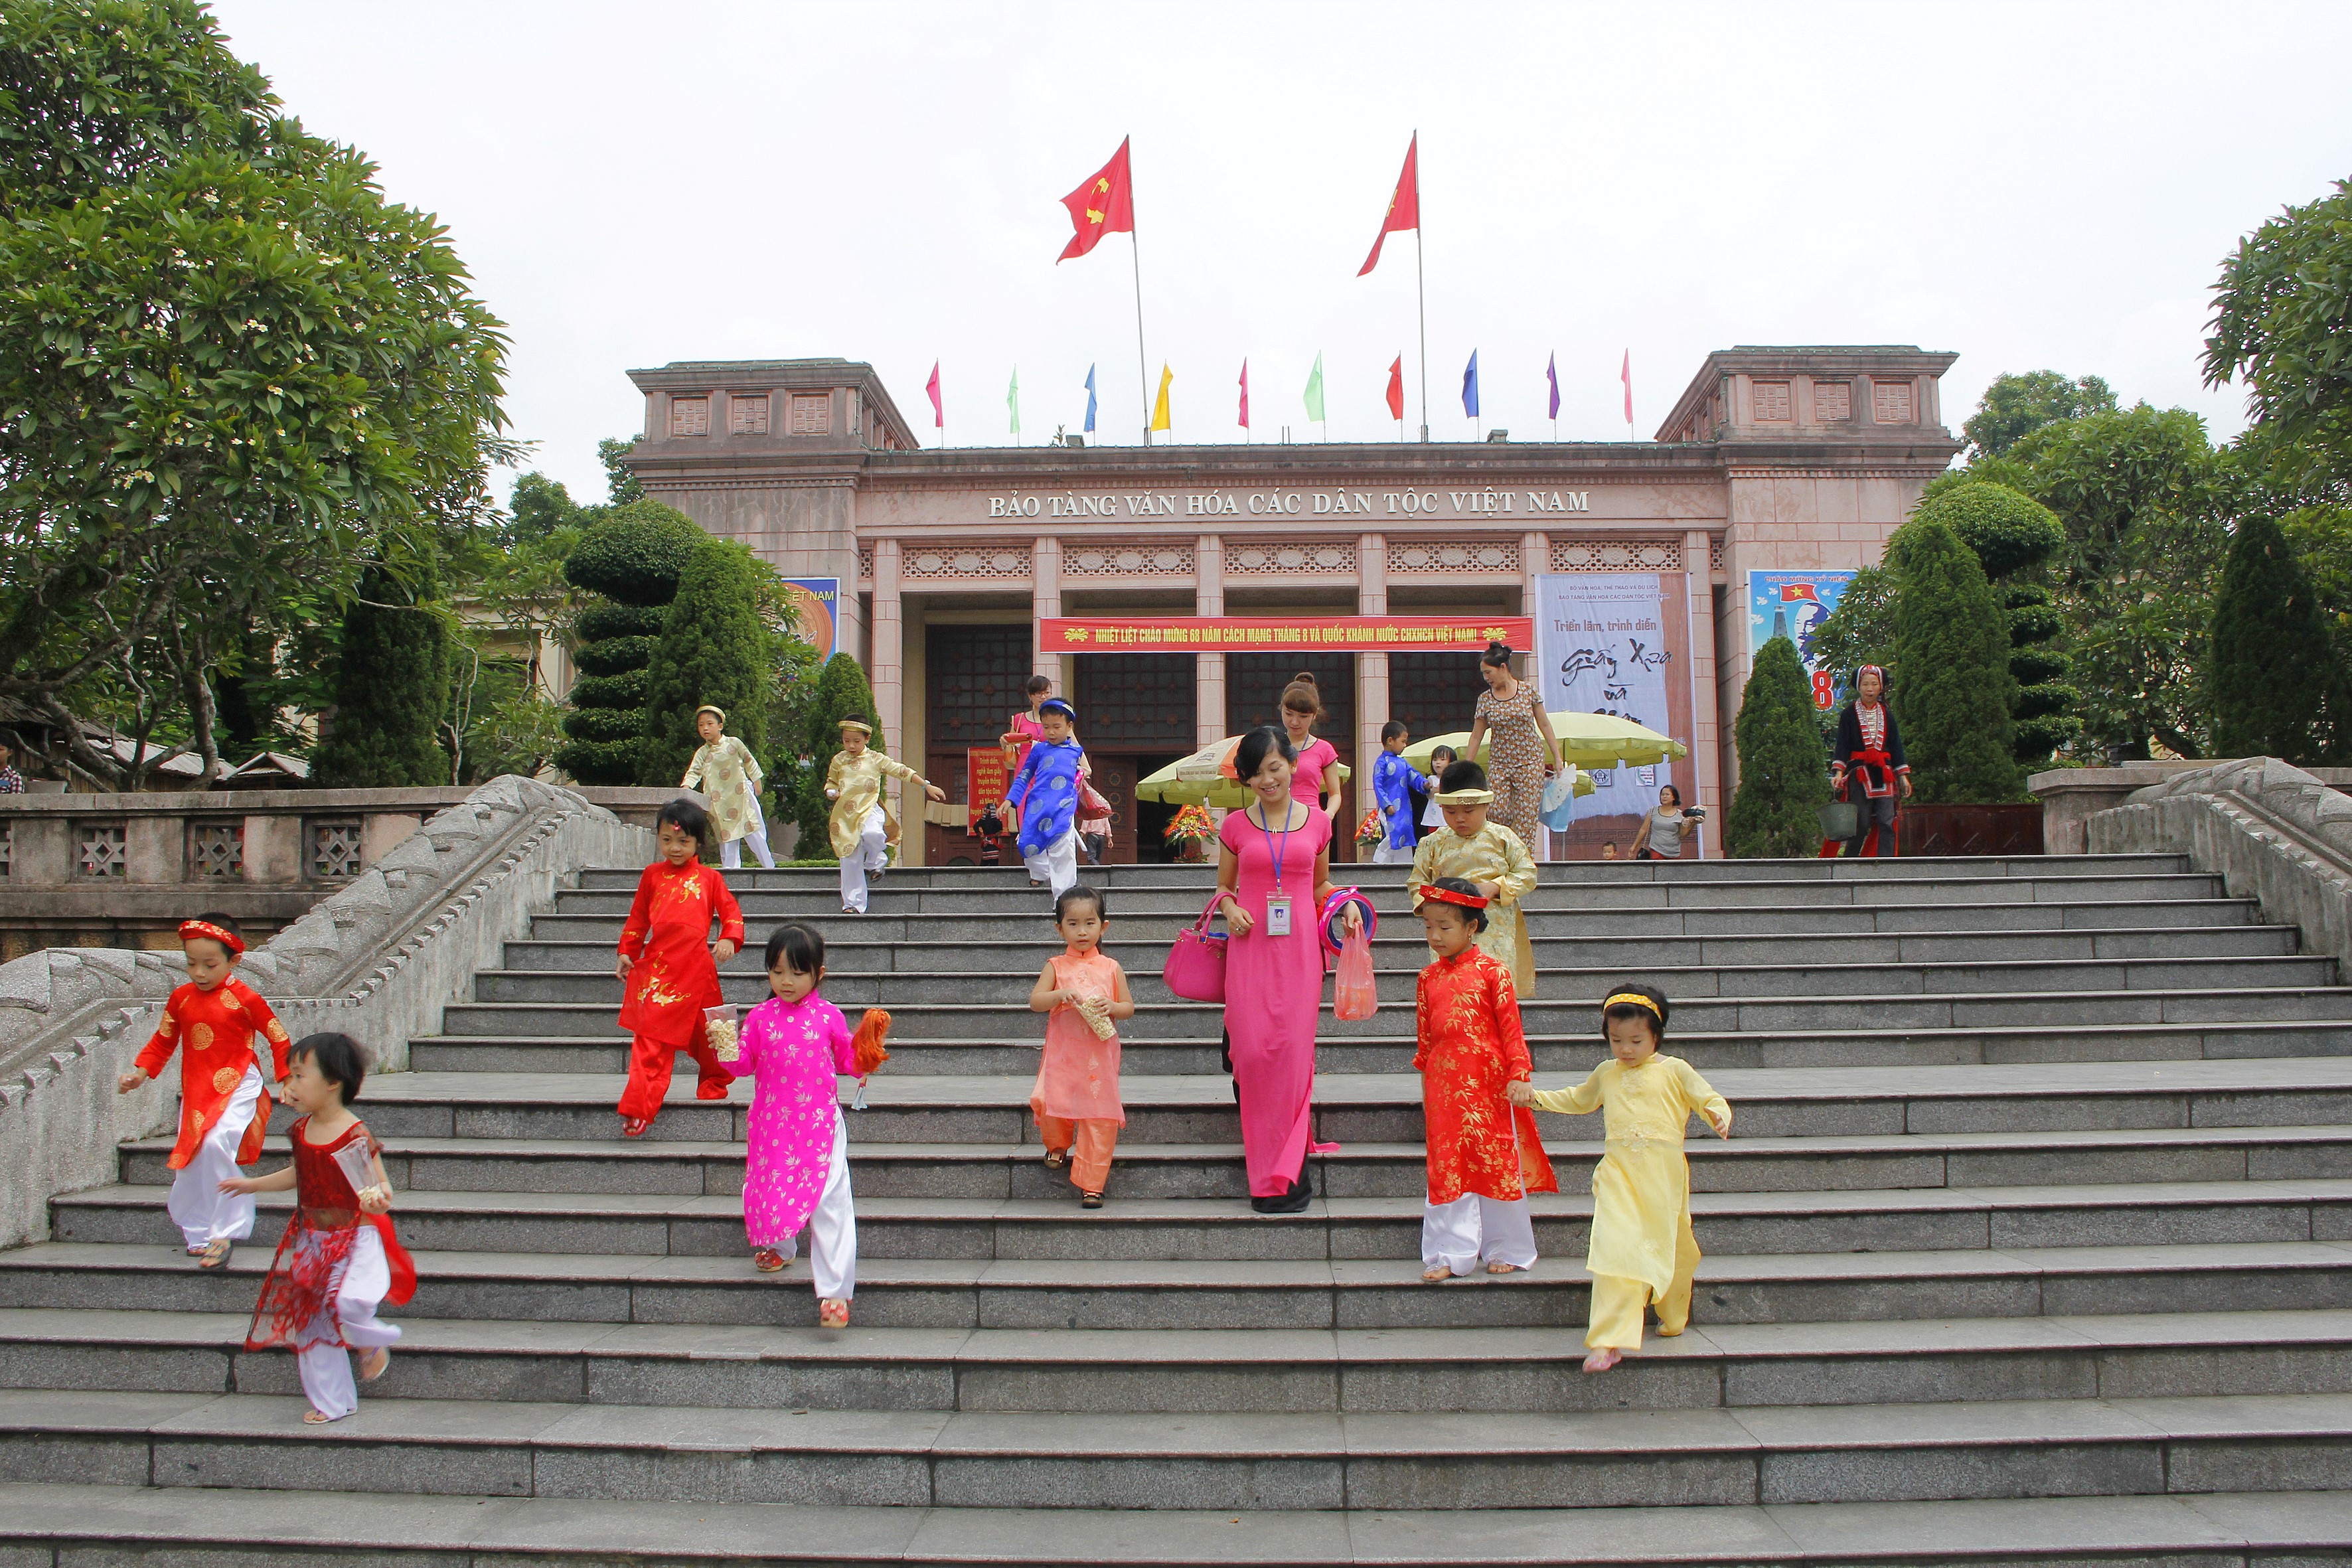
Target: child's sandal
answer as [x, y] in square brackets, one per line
[1091, 1200]
[634, 1126]
[1056, 1158]
[833, 1314]
[318, 1418]
[214, 1254]
[767, 1260]
[1436, 1275]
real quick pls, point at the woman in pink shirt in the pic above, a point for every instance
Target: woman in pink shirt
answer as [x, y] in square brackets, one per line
[1313, 777]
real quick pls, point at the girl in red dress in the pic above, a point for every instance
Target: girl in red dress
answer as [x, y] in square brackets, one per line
[339, 1258]
[671, 966]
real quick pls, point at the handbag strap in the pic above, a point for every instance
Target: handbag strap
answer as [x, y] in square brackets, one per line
[1200, 926]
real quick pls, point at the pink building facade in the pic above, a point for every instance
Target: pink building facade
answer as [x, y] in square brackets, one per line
[1772, 459]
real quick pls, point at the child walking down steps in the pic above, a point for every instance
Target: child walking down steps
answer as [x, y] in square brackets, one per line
[1083, 992]
[670, 966]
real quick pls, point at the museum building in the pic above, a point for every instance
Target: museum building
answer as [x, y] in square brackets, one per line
[949, 560]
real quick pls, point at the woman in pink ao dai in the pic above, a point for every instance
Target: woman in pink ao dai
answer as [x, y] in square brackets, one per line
[796, 1166]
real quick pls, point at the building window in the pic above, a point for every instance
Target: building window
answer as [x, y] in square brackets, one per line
[1832, 401]
[971, 682]
[1891, 402]
[1145, 699]
[1253, 683]
[1771, 402]
[812, 413]
[1435, 693]
[690, 416]
[747, 412]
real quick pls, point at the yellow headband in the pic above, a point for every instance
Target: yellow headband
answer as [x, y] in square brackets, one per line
[1634, 999]
[860, 725]
[1466, 798]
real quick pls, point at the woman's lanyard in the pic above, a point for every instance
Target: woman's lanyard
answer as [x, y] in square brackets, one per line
[1278, 904]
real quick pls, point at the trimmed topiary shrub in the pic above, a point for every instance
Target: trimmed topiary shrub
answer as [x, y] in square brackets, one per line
[616, 656]
[714, 648]
[2273, 686]
[636, 554]
[2012, 535]
[634, 558]
[391, 688]
[1952, 688]
[1784, 771]
[606, 619]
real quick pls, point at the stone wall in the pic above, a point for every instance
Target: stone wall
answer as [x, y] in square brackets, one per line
[377, 960]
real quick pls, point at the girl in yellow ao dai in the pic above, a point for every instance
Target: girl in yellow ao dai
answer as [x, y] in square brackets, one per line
[1641, 1247]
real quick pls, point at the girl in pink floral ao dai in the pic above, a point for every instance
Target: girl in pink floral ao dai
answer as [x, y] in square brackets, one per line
[796, 1166]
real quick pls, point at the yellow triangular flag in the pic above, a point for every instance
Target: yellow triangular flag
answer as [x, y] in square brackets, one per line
[1160, 409]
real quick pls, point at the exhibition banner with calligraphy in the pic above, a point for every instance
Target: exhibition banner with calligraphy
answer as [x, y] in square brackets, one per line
[1246, 633]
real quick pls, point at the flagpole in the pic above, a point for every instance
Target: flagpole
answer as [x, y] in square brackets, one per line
[1421, 299]
[1142, 364]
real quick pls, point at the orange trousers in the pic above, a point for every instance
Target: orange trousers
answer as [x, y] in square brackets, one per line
[651, 1064]
[1090, 1141]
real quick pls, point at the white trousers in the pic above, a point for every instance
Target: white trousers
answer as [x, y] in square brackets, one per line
[1390, 854]
[204, 1213]
[865, 861]
[1057, 864]
[730, 854]
[359, 1284]
[833, 1228]
[1473, 1230]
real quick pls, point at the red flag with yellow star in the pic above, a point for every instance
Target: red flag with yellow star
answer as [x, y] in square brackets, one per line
[1104, 205]
[1404, 207]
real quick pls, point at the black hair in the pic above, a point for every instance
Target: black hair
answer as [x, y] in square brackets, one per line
[1079, 893]
[687, 817]
[1496, 653]
[1447, 750]
[341, 1060]
[226, 923]
[1657, 1020]
[1461, 776]
[1477, 918]
[1303, 695]
[1393, 729]
[1250, 755]
[800, 947]
[1034, 684]
[1678, 794]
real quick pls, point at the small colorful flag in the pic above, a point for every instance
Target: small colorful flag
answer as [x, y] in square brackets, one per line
[1104, 205]
[1244, 395]
[1160, 409]
[939, 409]
[1396, 389]
[1090, 400]
[1551, 374]
[1013, 399]
[1470, 386]
[1626, 375]
[1404, 207]
[1315, 389]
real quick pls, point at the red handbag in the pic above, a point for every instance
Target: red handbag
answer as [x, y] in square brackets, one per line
[1195, 969]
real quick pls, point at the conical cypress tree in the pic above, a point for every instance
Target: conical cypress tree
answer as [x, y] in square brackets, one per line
[2272, 679]
[1784, 773]
[390, 689]
[841, 692]
[713, 649]
[1952, 684]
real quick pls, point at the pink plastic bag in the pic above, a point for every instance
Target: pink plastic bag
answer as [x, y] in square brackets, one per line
[1355, 995]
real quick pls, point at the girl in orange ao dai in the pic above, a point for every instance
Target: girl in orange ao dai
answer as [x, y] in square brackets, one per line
[671, 966]
[1076, 1101]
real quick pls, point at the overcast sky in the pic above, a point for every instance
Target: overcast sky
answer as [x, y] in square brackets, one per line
[2032, 185]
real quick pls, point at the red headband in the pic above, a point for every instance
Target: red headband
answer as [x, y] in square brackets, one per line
[1430, 895]
[190, 929]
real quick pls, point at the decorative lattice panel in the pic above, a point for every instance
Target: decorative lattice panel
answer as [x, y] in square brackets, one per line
[747, 412]
[1714, 554]
[811, 414]
[98, 849]
[1423, 556]
[689, 417]
[866, 563]
[1891, 402]
[1771, 402]
[1616, 554]
[972, 677]
[216, 849]
[335, 851]
[1832, 401]
[972, 562]
[1284, 558]
[1143, 560]
[7, 836]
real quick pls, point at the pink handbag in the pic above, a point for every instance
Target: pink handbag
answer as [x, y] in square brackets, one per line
[1195, 969]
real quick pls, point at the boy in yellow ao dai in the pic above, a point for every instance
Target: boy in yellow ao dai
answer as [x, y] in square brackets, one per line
[729, 776]
[1641, 1248]
[1492, 855]
[862, 827]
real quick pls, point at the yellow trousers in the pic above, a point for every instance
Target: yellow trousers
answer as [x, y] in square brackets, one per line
[1617, 1301]
[1090, 1140]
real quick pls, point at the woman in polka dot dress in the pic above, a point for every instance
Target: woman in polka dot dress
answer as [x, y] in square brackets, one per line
[796, 1170]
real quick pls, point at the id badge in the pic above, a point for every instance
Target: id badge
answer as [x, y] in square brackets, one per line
[1277, 915]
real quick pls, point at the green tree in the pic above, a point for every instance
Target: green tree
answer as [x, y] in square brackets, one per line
[1861, 630]
[391, 688]
[633, 559]
[841, 692]
[2273, 687]
[233, 373]
[2014, 406]
[2012, 535]
[714, 648]
[539, 507]
[613, 454]
[1951, 681]
[2282, 325]
[1784, 778]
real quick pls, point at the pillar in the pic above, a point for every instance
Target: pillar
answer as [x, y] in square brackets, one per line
[1209, 678]
[1045, 601]
[1371, 673]
[1707, 748]
[1534, 556]
[889, 640]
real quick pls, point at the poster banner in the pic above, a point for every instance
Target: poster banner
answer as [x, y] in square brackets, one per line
[1790, 604]
[1611, 643]
[1246, 633]
[817, 599]
[984, 778]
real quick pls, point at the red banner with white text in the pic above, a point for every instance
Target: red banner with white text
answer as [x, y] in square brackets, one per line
[1257, 634]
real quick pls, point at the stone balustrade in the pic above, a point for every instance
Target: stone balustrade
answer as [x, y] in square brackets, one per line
[2070, 797]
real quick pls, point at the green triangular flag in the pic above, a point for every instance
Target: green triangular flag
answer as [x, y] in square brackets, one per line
[1315, 389]
[1013, 399]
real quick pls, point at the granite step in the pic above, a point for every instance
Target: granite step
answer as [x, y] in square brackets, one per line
[1301, 1293]
[1202, 1371]
[1224, 1229]
[924, 1459]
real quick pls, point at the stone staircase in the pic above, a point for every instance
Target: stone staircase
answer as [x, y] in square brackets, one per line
[2034, 1246]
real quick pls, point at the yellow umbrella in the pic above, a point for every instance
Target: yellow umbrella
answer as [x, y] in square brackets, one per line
[1198, 780]
[1589, 739]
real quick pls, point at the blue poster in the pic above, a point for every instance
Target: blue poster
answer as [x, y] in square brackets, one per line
[817, 599]
[1790, 604]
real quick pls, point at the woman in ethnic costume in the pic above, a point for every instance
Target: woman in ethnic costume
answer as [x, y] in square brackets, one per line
[1868, 768]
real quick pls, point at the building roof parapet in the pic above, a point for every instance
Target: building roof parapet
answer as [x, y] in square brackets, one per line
[1812, 395]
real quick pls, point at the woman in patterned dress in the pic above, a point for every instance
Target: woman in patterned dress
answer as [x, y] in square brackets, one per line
[1521, 746]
